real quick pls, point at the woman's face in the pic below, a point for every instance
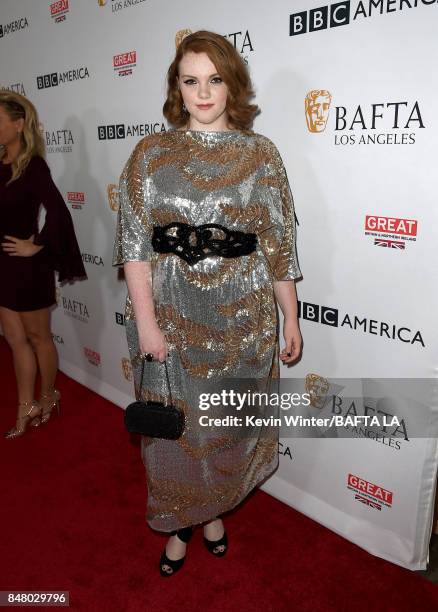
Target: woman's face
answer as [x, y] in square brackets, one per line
[9, 130]
[203, 91]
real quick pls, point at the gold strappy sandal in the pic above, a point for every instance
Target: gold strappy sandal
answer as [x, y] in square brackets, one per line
[33, 416]
[50, 400]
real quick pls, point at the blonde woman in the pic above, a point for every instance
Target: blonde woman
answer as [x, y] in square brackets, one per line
[28, 258]
[206, 233]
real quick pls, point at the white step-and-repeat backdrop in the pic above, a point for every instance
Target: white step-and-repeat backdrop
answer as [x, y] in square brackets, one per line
[348, 95]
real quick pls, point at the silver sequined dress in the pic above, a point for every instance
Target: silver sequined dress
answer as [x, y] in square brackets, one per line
[219, 315]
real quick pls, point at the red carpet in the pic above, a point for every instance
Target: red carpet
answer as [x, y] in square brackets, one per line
[72, 516]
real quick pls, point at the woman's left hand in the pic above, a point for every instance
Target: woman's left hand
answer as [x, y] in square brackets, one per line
[20, 248]
[292, 337]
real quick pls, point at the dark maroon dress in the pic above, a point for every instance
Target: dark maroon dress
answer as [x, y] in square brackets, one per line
[28, 283]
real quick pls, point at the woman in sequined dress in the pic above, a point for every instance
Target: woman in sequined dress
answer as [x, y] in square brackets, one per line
[209, 315]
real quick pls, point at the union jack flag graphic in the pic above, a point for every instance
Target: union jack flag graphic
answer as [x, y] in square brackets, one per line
[390, 244]
[368, 502]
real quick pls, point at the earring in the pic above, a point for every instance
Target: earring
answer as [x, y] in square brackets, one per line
[184, 108]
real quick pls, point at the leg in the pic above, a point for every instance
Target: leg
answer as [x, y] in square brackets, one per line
[173, 556]
[214, 530]
[215, 537]
[25, 366]
[37, 327]
[175, 547]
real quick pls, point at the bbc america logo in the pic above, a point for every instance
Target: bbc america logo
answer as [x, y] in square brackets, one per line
[330, 316]
[111, 132]
[339, 14]
[47, 80]
[319, 18]
[120, 318]
[13, 26]
[318, 314]
[54, 79]
[120, 130]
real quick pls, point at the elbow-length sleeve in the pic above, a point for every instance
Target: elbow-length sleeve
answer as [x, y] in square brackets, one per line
[58, 233]
[278, 235]
[134, 229]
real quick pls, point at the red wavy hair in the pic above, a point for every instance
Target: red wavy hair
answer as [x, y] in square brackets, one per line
[229, 65]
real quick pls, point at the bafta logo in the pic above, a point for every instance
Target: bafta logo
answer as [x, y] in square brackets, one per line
[180, 35]
[127, 368]
[102, 2]
[317, 106]
[317, 387]
[113, 196]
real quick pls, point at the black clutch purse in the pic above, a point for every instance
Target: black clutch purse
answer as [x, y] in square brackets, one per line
[154, 419]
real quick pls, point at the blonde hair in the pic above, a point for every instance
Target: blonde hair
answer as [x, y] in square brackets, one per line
[32, 142]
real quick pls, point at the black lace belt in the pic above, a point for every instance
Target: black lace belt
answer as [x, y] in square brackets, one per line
[195, 242]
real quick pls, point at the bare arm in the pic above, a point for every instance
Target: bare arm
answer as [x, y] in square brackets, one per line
[279, 242]
[133, 249]
[139, 281]
[286, 296]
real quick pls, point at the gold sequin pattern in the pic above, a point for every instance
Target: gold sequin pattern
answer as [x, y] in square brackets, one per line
[219, 316]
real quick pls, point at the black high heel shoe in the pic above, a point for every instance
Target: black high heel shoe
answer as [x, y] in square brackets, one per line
[217, 547]
[184, 535]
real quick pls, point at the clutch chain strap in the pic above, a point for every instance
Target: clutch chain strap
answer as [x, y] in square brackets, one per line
[167, 377]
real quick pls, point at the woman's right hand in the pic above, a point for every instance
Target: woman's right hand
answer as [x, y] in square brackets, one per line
[15, 247]
[153, 341]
